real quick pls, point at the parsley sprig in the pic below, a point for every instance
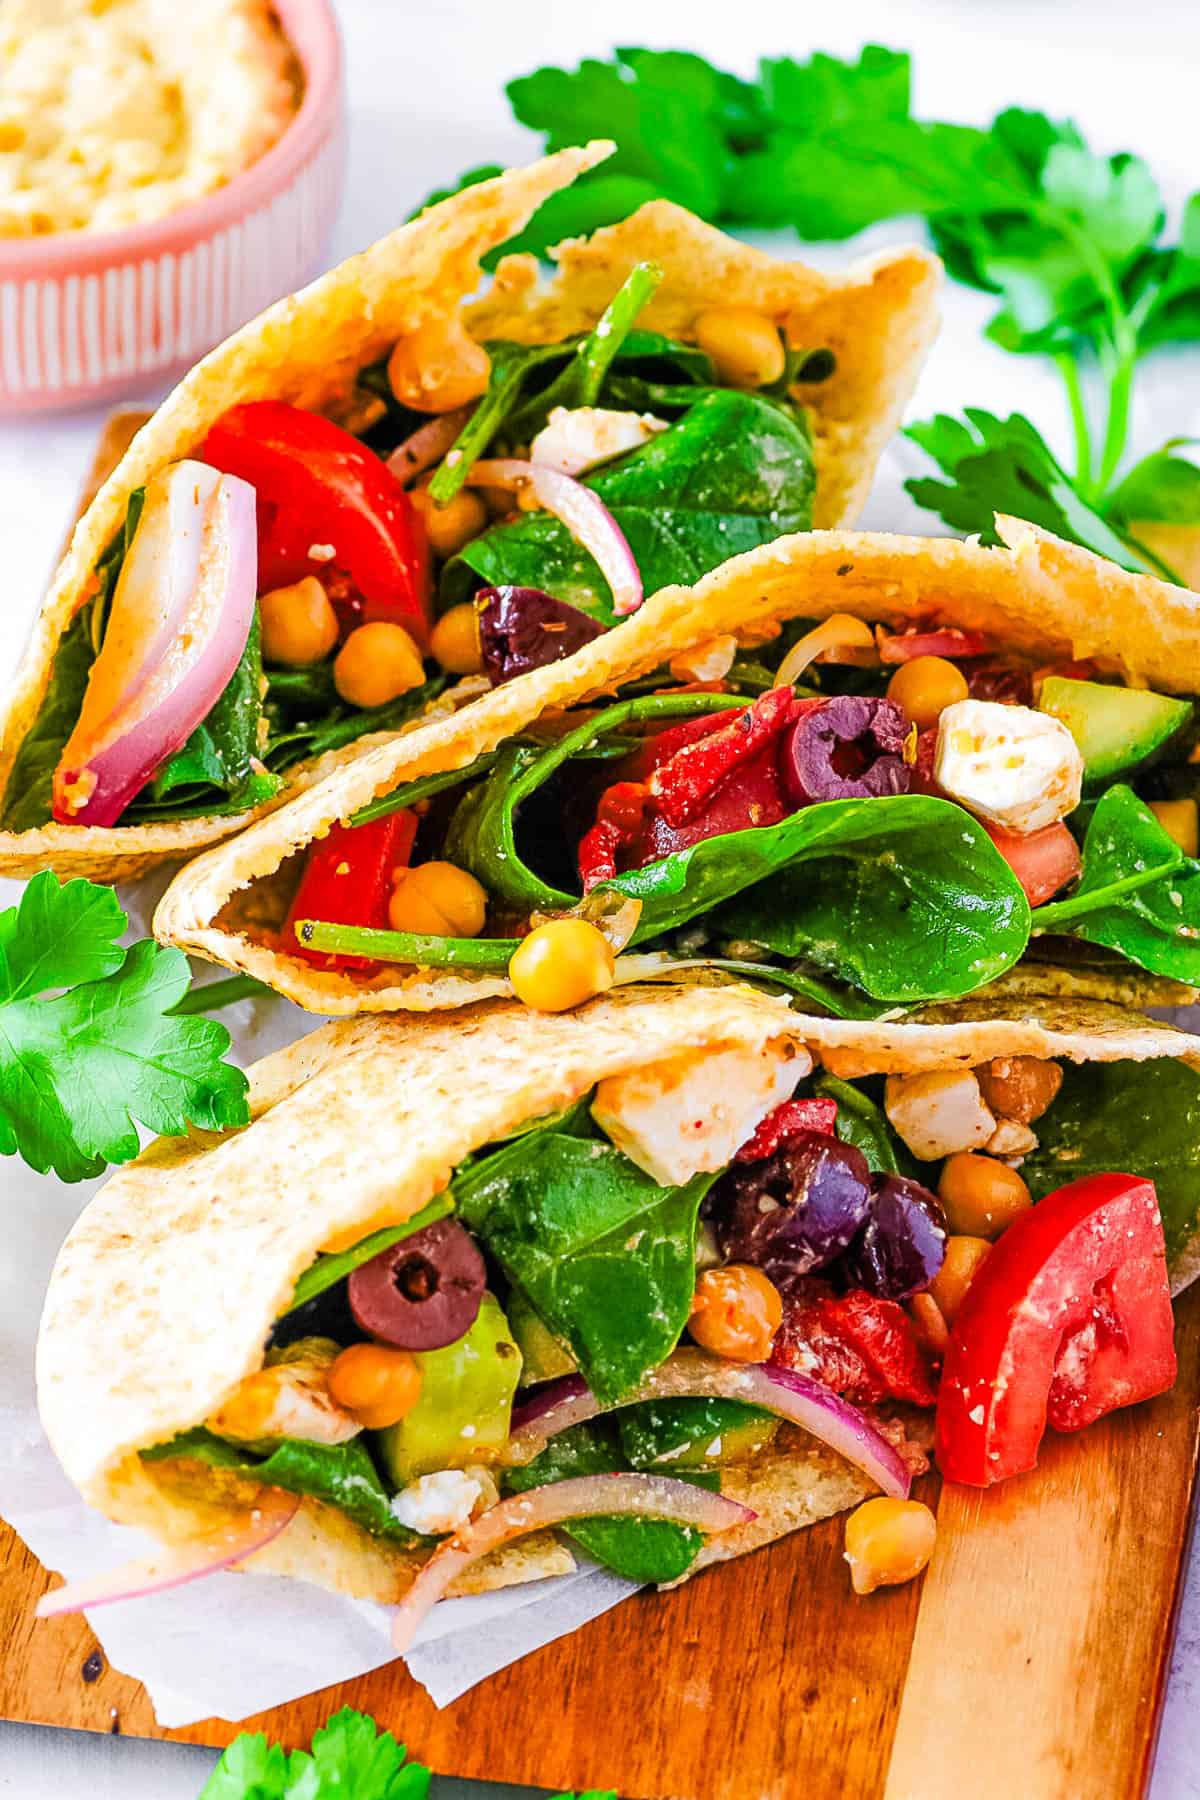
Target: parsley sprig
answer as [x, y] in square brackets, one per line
[351, 1759]
[1069, 240]
[90, 1046]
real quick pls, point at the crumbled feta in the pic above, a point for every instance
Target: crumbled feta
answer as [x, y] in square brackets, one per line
[580, 438]
[438, 1503]
[692, 1111]
[940, 1113]
[1015, 767]
[1011, 1138]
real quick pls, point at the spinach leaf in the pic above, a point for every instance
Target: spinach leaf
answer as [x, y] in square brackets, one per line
[658, 1434]
[905, 896]
[863, 1124]
[30, 792]
[734, 472]
[1140, 1117]
[218, 768]
[343, 1475]
[606, 1255]
[1138, 892]
[328, 1270]
[639, 1549]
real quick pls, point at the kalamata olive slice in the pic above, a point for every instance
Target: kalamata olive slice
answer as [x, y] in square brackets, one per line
[848, 749]
[423, 1293]
[903, 1243]
[521, 628]
[795, 1211]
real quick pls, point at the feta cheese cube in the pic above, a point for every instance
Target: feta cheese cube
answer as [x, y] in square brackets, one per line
[580, 438]
[1015, 767]
[1011, 1138]
[939, 1113]
[438, 1503]
[692, 1111]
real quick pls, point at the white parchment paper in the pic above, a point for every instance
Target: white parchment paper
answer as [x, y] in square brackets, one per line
[199, 1650]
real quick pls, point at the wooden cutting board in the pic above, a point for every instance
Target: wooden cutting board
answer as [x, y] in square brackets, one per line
[1028, 1664]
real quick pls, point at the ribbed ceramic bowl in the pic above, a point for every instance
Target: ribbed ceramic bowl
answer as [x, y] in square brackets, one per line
[89, 317]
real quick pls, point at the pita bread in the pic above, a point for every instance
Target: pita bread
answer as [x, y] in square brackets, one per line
[880, 317]
[1048, 600]
[168, 1285]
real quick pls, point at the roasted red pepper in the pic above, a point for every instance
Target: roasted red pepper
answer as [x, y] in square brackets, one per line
[787, 1121]
[1068, 1318]
[347, 880]
[329, 507]
[698, 780]
[860, 1346]
[947, 641]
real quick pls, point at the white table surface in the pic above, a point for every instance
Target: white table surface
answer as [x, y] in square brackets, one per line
[425, 101]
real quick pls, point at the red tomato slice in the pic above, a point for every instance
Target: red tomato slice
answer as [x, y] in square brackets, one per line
[347, 880]
[861, 1346]
[902, 647]
[1067, 1319]
[785, 1122]
[319, 489]
[1042, 861]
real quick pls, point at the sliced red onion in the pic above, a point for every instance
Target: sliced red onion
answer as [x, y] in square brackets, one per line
[692, 1374]
[187, 591]
[179, 1563]
[427, 445]
[584, 1497]
[582, 512]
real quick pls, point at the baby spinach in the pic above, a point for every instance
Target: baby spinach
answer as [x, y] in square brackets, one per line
[30, 792]
[905, 896]
[1143, 1117]
[864, 1125]
[734, 472]
[640, 1549]
[328, 1270]
[342, 1475]
[606, 1255]
[307, 718]
[1138, 892]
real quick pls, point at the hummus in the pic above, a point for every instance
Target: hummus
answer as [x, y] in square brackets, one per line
[113, 112]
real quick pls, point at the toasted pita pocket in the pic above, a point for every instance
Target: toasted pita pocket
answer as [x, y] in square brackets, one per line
[1046, 599]
[879, 318]
[168, 1285]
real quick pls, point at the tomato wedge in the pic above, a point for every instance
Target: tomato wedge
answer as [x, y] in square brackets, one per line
[320, 490]
[347, 880]
[1042, 861]
[947, 641]
[1068, 1318]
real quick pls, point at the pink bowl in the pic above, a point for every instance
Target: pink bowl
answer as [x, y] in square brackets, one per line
[89, 317]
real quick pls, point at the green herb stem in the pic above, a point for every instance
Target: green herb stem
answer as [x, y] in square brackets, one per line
[1049, 918]
[1069, 370]
[406, 946]
[424, 788]
[599, 349]
[216, 994]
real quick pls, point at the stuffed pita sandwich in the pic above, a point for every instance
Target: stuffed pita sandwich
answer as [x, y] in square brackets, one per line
[257, 590]
[874, 771]
[677, 1271]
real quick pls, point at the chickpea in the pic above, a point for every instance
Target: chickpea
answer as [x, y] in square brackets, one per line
[451, 526]
[888, 1541]
[744, 344]
[455, 641]
[981, 1196]
[1019, 1087]
[926, 1315]
[963, 1258]
[736, 1311]
[438, 898]
[1178, 819]
[299, 624]
[925, 687]
[438, 366]
[377, 663]
[561, 964]
[375, 1384]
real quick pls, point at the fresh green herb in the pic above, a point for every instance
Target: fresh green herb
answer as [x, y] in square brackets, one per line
[604, 1253]
[640, 1549]
[1138, 892]
[211, 996]
[351, 1759]
[1143, 1117]
[90, 1041]
[327, 1271]
[734, 472]
[341, 1475]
